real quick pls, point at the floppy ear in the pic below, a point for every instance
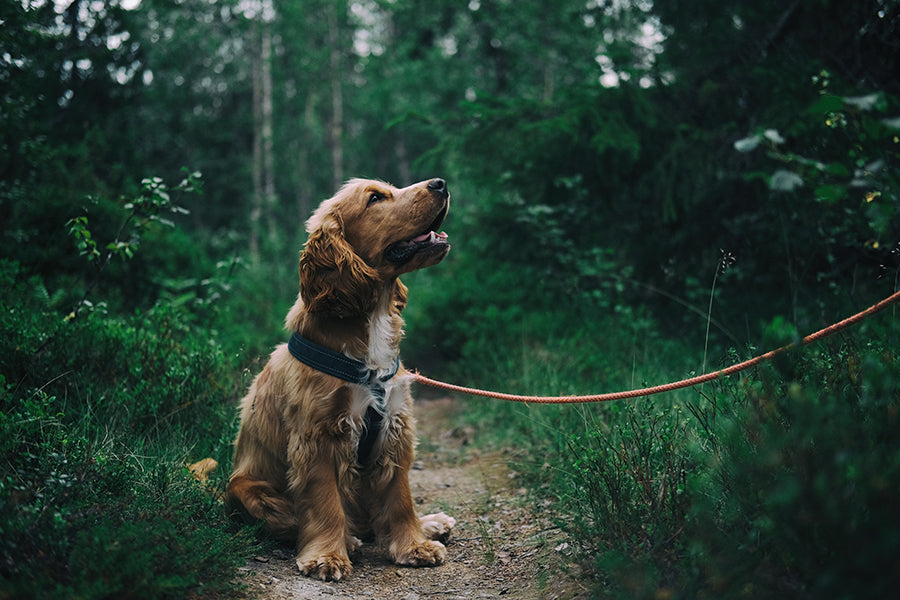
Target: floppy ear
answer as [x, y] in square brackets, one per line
[333, 279]
[399, 295]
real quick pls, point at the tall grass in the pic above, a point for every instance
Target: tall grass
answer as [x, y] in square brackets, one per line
[756, 486]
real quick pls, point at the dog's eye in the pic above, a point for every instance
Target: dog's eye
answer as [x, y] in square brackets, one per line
[375, 197]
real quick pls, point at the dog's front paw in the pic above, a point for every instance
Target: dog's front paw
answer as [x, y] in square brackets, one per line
[421, 554]
[437, 526]
[327, 567]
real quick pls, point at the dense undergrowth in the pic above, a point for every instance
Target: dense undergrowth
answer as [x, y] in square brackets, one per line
[754, 486]
[99, 419]
[117, 370]
[777, 482]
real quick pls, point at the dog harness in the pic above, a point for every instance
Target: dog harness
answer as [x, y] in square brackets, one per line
[351, 370]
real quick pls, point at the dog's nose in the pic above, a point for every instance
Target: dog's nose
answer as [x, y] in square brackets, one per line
[438, 185]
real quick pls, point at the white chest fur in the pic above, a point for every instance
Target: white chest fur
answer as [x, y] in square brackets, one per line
[384, 337]
[381, 358]
[394, 402]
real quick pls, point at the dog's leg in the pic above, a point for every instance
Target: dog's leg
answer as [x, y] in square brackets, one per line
[260, 501]
[322, 543]
[398, 523]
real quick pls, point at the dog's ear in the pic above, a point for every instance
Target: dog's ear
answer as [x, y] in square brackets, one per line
[399, 296]
[333, 278]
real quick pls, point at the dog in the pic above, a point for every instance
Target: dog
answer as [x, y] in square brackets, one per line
[326, 435]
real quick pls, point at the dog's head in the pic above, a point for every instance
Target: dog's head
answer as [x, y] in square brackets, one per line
[370, 233]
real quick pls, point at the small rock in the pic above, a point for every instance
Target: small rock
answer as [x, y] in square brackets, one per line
[262, 559]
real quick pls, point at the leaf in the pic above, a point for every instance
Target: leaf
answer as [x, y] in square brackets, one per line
[747, 144]
[757, 176]
[785, 181]
[827, 103]
[773, 136]
[837, 169]
[867, 102]
[830, 193]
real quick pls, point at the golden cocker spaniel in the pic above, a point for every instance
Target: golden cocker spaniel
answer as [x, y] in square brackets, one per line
[326, 438]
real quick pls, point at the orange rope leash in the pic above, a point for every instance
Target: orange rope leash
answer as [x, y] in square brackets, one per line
[659, 389]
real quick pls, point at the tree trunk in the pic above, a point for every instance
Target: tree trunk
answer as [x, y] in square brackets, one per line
[270, 202]
[336, 129]
[264, 200]
[306, 188]
[257, 200]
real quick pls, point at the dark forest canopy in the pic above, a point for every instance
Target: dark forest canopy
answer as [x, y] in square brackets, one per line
[592, 127]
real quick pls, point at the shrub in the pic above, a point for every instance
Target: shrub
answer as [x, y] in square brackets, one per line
[796, 498]
[628, 484]
[98, 417]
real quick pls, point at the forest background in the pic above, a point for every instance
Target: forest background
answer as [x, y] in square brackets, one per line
[641, 191]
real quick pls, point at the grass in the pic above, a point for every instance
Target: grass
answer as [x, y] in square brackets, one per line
[95, 430]
[752, 487]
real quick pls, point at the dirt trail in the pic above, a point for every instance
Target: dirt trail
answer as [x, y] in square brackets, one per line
[498, 549]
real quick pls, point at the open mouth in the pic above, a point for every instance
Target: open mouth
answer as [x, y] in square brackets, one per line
[403, 251]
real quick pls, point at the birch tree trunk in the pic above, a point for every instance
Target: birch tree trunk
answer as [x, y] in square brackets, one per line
[257, 200]
[269, 200]
[336, 128]
[264, 198]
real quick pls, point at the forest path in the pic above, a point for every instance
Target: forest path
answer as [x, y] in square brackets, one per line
[500, 547]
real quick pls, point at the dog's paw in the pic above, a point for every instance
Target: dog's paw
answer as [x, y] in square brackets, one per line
[327, 567]
[437, 526]
[423, 554]
[353, 544]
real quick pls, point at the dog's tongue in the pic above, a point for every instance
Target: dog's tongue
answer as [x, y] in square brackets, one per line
[429, 236]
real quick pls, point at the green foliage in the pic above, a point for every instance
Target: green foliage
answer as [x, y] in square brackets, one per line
[87, 247]
[854, 169]
[802, 470]
[143, 211]
[85, 517]
[752, 487]
[98, 417]
[628, 480]
[602, 157]
[96, 425]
